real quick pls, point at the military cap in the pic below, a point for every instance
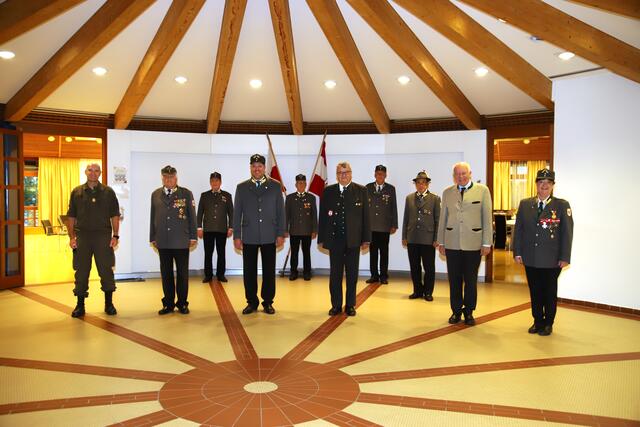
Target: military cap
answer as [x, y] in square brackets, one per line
[422, 175]
[215, 175]
[382, 168]
[168, 170]
[546, 174]
[301, 177]
[259, 158]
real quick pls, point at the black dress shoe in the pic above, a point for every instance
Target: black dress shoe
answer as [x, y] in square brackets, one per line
[534, 329]
[78, 311]
[350, 311]
[222, 279]
[469, 320]
[293, 276]
[384, 281]
[428, 298]
[110, 309]
[269, 309]
[335, 311]
[206, 280]
[545, 331]
[415, 296]
[373, 280]
[455, 318]
[183, 310]
[165, 310]
[306, 276]
[249, 309]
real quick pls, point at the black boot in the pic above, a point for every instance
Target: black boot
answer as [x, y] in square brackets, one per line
[109, 308]
[79, 310]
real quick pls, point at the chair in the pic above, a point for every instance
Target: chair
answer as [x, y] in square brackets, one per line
[50, 230]
[62, 220]
[501, 231]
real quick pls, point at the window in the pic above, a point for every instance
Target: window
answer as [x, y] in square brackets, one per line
[31, 194]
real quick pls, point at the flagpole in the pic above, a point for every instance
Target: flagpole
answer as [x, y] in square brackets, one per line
[319, 155]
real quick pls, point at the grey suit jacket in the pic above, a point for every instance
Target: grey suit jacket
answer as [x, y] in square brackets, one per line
[258, 214]
[173, 219]
[302, 214]
[215, 211]
[466, 224]
[421, 216]
[545, 240]
[383, 207]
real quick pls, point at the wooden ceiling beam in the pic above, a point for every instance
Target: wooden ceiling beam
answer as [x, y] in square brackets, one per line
[461, 29]
[335, 29]
[174, 26]
[113, 17]
[630, 8]
[385, 21]
[19, 16]
[227, 44]
[554, 26]
[281, 20]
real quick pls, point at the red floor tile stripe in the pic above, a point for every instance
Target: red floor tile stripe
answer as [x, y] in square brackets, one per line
[310, 343]
[77, 402]
[347, 420]
[240, 342]
[160, 347]
[152, 419]
[498, 366]
[602, 311]
[417, 339]
[87, 369]
[495, 410]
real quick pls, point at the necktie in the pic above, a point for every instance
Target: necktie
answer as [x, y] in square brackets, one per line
[169, 192]
[462, 192]
[257, 184]
[540, 207]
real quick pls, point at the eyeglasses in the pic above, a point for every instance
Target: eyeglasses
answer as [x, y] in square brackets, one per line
[344, 173]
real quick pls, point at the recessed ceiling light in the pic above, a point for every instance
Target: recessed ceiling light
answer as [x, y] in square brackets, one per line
[7, 54]
[403, 80]
[535, 38]
[495, 142]
[526, 141]
[565, 56]
[181, 79]
[68, 139]
[330, 84]
[99, 71]
[501, 20]
[255, 83]
[51, 138]
[481, 71]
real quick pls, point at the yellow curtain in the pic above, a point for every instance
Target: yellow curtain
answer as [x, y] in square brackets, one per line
[533, 166]
[56, 180]
[501, 185]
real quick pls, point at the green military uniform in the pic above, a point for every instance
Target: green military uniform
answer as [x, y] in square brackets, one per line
[92, 209]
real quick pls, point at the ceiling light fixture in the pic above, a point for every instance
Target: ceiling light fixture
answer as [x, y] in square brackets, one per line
[565, 56]
[526, 141]
[181, 79]
[51, 138]
[99, 71]
[535, 38]
[403, 80]
[501, 20]
[68, 139]
[255, 83]
[330, 84]
[481, 71]
[7, 54]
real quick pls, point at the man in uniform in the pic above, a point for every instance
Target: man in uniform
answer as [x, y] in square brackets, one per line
[93, 224]
[344, 229]
[542, 242]
[465, 235]
[419, 228]
[215, 215]
[173, 232]
[302, 226]
[259, 223]
[383, 209]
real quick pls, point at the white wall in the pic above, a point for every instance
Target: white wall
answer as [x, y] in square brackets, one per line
[196, 155]
[597, 146]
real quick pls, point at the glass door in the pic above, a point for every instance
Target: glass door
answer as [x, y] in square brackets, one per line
[11, 211]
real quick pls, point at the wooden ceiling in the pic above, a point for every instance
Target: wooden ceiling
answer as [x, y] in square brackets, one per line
[112, 17]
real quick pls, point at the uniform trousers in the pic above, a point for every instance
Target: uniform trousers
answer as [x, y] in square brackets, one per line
[343, 259]
[93, 244]
[543, 288]
[250, 273]
[217, 240]
[379, 243]
[422, 256]
[306, 253]
[462, 267]
[179, 286]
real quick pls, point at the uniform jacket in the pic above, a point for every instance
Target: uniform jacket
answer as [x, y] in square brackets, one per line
[215, 211]
[466, 224]
[93, 209]
[421, 216]
[258, 214]
[545, 240]
[383, 207]
[358, 229]
[302, 214]
[173, 219]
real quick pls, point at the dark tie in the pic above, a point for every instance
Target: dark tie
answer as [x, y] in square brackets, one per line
[462, 192]
[257, 184]
[540, 207]
[169, 192]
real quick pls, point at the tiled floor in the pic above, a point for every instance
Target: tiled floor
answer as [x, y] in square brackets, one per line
[397, 363]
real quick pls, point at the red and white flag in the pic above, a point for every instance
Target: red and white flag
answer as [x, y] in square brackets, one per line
[319, 180]
[272, 166]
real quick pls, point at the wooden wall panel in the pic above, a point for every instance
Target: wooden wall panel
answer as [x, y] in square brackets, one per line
[516, 150]
[37, 145]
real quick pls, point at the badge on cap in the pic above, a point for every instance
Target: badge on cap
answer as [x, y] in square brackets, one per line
[568, 211]
[330, 213]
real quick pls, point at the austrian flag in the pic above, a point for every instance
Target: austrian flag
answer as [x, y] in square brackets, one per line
[319, 180]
